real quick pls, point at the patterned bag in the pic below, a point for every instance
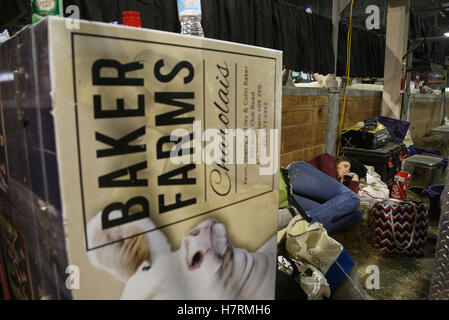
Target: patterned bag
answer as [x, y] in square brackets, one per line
[401, 227]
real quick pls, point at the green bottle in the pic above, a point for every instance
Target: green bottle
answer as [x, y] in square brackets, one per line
[43, 8]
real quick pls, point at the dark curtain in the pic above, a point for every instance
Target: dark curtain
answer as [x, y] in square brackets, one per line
[243, 21]
[14, 14]
[431, 51]
[367, 53]
[155, 14]
[305, 39]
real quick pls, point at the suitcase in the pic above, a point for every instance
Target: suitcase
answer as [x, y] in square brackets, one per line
[425, 170]
[387, 160]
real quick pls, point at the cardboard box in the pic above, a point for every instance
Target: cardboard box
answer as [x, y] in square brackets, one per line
[116, 174]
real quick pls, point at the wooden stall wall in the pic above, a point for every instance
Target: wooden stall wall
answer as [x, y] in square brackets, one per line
[361, 108]
[304, 120]
[424, 116]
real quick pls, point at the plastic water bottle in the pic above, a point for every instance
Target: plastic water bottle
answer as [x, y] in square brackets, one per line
[190, 17]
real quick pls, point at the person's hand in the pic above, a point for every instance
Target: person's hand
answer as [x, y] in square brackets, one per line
[352, 176]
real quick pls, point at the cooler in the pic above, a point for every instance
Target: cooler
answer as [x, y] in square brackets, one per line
[386, 160]
[425, 170]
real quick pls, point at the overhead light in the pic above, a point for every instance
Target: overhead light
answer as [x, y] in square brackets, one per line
[446, 34]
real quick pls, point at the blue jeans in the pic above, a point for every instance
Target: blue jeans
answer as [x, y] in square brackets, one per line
[323, 198]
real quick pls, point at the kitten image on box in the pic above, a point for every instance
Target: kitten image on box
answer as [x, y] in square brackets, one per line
[206, 266]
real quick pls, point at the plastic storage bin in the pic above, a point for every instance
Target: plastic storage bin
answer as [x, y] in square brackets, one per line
[425, 170]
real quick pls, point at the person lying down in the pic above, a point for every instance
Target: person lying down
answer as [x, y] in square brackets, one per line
[327, 191]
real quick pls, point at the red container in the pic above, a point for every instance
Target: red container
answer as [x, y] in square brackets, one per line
[132, 19]
[400, 185]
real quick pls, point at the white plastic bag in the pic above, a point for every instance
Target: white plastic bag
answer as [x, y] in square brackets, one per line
[372, 189]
